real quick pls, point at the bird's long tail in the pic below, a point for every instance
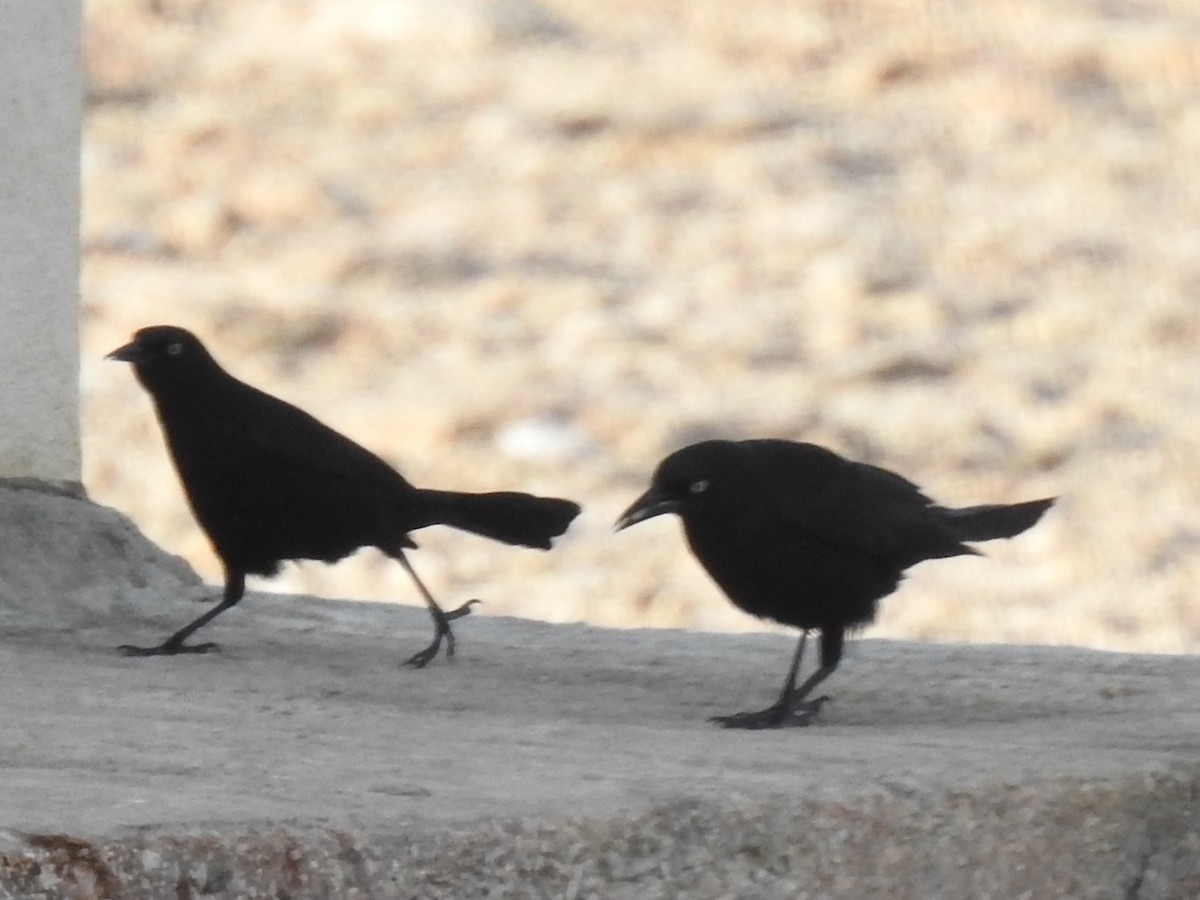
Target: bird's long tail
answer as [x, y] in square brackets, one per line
[999, 520]
[507, 516]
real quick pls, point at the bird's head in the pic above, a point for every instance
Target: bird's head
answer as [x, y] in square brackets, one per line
[689, 480]
[163, 354]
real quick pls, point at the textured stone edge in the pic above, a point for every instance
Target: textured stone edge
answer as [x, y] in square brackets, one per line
[67, 563]
[72, 489]
[1136, 837]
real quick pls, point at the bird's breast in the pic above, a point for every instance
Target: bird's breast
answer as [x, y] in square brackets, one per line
[775, 570]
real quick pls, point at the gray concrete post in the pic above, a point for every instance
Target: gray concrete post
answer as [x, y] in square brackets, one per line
[40, 113]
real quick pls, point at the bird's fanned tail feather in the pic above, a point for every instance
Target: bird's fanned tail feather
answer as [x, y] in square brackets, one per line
[997, 520]
[507, 516]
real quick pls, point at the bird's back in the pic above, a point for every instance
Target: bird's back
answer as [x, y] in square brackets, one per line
[870, 509]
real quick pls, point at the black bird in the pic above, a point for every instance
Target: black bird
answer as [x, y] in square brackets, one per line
[270, 483]
[795, 533]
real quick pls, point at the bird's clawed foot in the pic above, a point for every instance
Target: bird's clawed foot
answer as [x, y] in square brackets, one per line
[167, 648]
[796, 714]
[441, 622]
[464, 610]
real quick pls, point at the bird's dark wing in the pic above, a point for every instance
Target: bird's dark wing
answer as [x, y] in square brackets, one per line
[287, 436]
[852, 503]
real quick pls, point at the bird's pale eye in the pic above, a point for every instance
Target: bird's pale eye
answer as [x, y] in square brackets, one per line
[699, 487]
[174, 349]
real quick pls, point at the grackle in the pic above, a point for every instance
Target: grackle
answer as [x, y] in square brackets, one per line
[795, 533]
[268, 483]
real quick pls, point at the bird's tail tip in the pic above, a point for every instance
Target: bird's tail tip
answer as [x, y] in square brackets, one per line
[999, 520]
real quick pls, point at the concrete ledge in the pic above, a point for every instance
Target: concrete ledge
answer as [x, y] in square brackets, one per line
[1135, 838]
[564, 761]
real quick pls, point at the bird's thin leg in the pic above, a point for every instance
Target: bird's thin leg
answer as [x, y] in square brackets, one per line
[791, 709]
[773, 715]
[789, 683]
[441, 619]
[235, 587]
[833, 640]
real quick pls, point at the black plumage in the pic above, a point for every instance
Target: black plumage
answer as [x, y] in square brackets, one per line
[268, 483]
[794, 533]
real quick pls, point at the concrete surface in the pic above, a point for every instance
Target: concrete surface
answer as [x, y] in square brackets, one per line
[41, 89]
[553, 760]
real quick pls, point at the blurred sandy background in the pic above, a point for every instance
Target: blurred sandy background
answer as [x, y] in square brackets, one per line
[538, 245]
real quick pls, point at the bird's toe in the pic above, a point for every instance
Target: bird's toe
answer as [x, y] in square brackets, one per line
[167, 649]
[798, 716]
[131, 650]
[422, 659]
[464, 610]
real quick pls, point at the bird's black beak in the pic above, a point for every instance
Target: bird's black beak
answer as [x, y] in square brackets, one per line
[130, 353]
[652, 503]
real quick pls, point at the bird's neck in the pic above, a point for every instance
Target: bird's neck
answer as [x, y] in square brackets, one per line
[184, 395]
